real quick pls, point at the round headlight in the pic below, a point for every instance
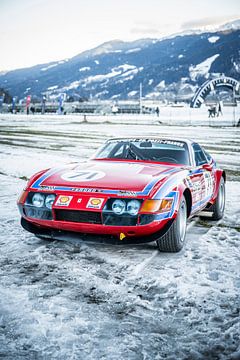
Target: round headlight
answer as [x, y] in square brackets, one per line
[49, 201]
[38, 200]
[133, 207]
[118, 206]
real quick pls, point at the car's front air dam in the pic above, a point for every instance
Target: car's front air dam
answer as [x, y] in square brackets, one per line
[106, 237]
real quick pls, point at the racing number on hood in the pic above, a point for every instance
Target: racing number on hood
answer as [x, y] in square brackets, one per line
[82, 175]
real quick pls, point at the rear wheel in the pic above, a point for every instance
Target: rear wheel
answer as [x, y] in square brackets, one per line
[219, 205]
[174, 238]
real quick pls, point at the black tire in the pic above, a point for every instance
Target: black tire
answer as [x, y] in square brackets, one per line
[174, 239]
[219, 205]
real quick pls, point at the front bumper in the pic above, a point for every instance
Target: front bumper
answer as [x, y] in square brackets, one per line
[97, 235]
[78, 220]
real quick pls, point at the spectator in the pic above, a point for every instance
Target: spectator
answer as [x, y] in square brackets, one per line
[219, 109]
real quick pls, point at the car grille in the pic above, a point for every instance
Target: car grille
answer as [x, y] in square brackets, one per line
[119, 220]
[91, 217]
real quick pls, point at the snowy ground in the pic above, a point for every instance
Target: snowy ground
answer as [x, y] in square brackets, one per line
[61, 300]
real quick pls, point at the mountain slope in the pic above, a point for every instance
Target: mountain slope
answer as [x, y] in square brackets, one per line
[116, 69]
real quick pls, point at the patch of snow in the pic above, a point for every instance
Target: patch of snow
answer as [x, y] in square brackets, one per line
[132, 93]
[133, 50]
[233, 25]
[213, 39]
[36, 80]
[96, 62]
[150, 82]
[115, 96]
[161, 84]
[106, 48]
[54, 87]
[73, 85]
[85, 68]
[132, 72]
[74, 300]
[127, 78]
[203, 68]
[27, 90]
[102, 77]
[101, 93]
[184, 79]
[49, 67]
[236, 66]
[180, 56]
[126, 67]
[152, 95]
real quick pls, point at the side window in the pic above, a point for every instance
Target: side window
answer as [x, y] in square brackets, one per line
[209, 158]
[199, 155]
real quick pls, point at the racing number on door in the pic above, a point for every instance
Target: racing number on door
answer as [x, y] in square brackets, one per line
[208, 184]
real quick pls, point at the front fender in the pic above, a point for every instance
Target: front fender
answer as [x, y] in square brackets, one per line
[175, 187]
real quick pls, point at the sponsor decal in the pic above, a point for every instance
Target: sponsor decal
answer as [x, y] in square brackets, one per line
[159, 141]
[127, 193]
[47, 188]
[79, 200]
[95, 203]
[86, 190]
[82, 175]
[63, 200]
[208, 179]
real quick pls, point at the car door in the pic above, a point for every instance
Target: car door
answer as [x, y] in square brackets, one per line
[201, 177]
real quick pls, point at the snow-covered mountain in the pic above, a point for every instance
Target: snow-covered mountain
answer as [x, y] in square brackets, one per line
[174, 65]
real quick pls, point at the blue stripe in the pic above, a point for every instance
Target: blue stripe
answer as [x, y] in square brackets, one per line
[37, 184]
[172, 182]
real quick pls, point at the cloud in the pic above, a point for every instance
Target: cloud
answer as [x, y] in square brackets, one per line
[208, 21]
[148, 28]
[145, 31]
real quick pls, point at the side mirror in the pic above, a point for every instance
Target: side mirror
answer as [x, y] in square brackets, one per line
[207, 167]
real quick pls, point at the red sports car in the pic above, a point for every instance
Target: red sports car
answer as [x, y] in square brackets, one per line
[133, 190]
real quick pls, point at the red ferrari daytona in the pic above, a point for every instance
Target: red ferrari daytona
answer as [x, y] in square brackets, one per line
[133, 190]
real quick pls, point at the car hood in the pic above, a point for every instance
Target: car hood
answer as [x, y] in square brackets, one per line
[101, 174]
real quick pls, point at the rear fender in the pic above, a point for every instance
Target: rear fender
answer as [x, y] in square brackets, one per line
[218, 175]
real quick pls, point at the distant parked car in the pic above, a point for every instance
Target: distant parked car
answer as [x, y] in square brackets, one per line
[134, 189]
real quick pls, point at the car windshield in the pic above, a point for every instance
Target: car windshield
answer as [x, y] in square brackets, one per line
[160, 150]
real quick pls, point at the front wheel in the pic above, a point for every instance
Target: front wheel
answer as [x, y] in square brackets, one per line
[174, 238]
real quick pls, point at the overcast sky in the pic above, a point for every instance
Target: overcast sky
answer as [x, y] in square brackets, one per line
[38, 31]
